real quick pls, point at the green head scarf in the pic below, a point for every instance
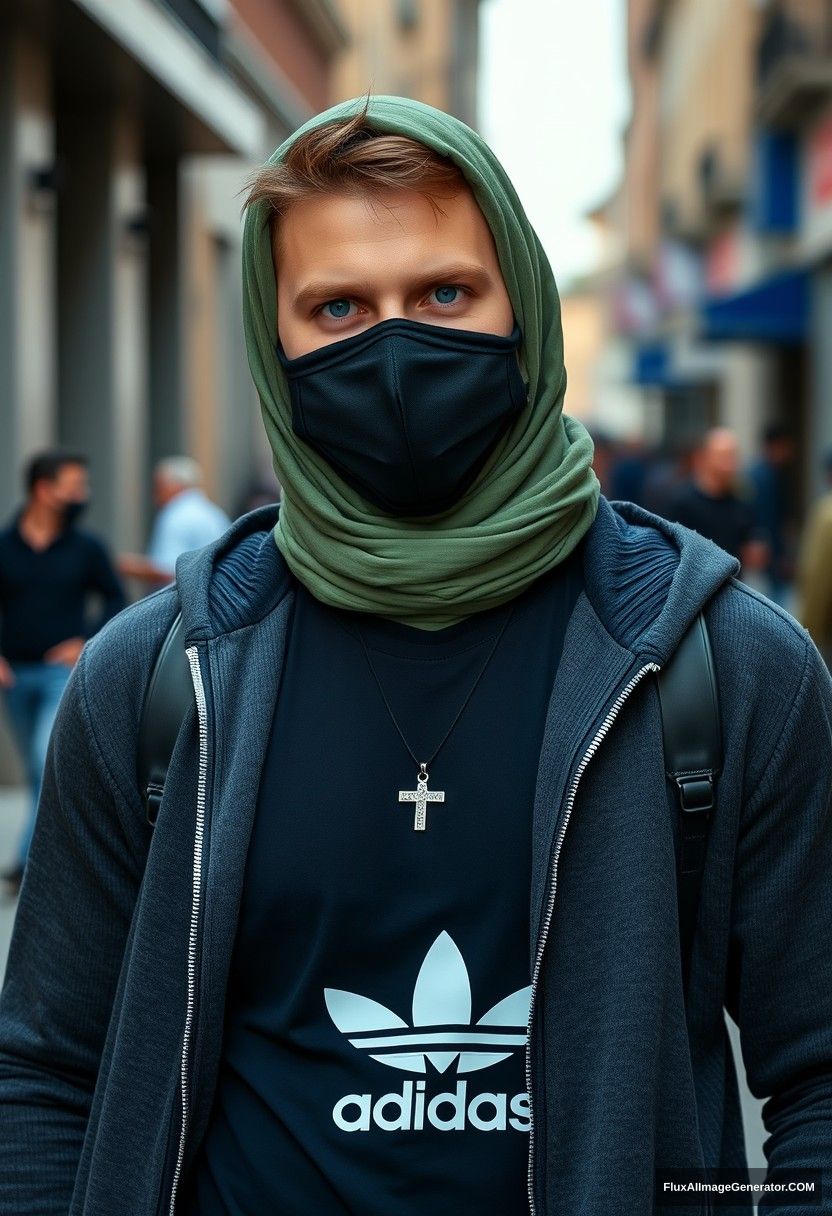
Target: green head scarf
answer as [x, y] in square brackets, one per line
[537, 493]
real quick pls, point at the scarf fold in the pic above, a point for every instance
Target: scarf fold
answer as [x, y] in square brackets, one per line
[535, 497]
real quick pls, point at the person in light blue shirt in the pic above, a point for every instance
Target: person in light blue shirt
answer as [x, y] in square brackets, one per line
[186, 519]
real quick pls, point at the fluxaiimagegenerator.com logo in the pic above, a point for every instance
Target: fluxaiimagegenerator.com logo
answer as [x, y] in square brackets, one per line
[441, 1035]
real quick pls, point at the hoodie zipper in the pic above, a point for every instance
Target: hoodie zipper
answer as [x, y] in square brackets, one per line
[544, 931]
[196, 898]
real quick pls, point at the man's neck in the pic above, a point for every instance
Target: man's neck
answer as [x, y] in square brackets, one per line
[39, 524]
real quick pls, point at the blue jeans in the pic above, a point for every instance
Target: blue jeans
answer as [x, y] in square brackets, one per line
[32, 704]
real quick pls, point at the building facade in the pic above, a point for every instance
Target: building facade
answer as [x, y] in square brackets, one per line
[718, 287]
[126, 133]
[425, 49]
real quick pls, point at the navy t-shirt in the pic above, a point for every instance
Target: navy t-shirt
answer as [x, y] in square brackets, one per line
[726, 519]
[373, 1054]
[44, 592]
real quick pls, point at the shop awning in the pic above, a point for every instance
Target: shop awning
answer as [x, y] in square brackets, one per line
[655, 365]
[651, 364]
[775, 310]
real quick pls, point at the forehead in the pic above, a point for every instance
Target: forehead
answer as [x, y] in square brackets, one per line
[721, 441]
[343, 230]
[72, 471]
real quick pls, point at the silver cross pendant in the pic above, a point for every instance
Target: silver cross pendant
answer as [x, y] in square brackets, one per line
[421, 796]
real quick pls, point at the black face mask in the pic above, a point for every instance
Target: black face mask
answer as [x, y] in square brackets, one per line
[73, 508]
[407, 413]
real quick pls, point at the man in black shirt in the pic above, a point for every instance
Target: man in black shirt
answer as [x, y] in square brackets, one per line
[710, 504]
[47, 569]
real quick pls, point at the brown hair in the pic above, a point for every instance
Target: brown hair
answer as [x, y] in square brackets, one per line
[348, 155]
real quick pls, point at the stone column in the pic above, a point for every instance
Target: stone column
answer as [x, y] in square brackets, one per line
[27, 241]
[165, 295]
[27, 289]
[102, 284]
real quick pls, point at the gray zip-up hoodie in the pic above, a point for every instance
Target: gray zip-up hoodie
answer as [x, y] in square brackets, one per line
[111, 1013]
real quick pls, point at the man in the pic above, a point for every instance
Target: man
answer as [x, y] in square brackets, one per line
[404, 937]
[630, 469]
[814, 569]
[48, 569]
[186, 519]
[710, 503]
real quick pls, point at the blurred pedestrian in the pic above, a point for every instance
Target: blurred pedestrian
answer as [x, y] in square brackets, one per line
[769, 476]
[814, 570]
[48, 567]
[628, 471]
[667, 474]
[186, 519]
[712, 503]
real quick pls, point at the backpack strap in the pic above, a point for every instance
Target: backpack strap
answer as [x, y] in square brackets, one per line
[692, 732]
[169, 693]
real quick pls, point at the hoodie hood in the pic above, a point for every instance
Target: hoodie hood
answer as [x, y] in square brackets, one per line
[646, 577]
[533, 498]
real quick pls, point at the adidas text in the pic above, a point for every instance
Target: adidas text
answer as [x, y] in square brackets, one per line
[448, 1111]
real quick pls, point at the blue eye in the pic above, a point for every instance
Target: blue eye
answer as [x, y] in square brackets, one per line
[446, 294]
[337, 309]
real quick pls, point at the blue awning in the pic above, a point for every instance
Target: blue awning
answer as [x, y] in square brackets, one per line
[654, 366]
[775, 310]
[651, 364]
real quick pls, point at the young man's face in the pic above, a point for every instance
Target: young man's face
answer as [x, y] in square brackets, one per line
[719, 457]
[70, 484]
[345, 262]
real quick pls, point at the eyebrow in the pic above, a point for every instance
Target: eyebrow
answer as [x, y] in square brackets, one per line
[343, 288]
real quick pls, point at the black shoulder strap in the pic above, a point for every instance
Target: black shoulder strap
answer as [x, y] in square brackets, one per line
[693, 758]
[169, 693]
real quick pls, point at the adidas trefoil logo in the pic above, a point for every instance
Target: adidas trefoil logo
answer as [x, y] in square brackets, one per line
[441, 1009]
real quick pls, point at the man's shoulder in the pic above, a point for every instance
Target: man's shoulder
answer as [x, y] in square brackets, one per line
[770, 675]
[189, 502]
[120, 656]
[747, 618]
[763, 655]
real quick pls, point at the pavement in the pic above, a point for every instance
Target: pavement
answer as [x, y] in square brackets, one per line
[13, 802]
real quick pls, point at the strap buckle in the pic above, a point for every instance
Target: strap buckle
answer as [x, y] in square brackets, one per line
[696, 798]
[696, 793]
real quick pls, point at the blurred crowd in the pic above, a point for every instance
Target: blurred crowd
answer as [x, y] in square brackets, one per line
[49, 568]
[750, 509]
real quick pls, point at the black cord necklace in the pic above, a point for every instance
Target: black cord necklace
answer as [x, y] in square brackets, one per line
[421, 796]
